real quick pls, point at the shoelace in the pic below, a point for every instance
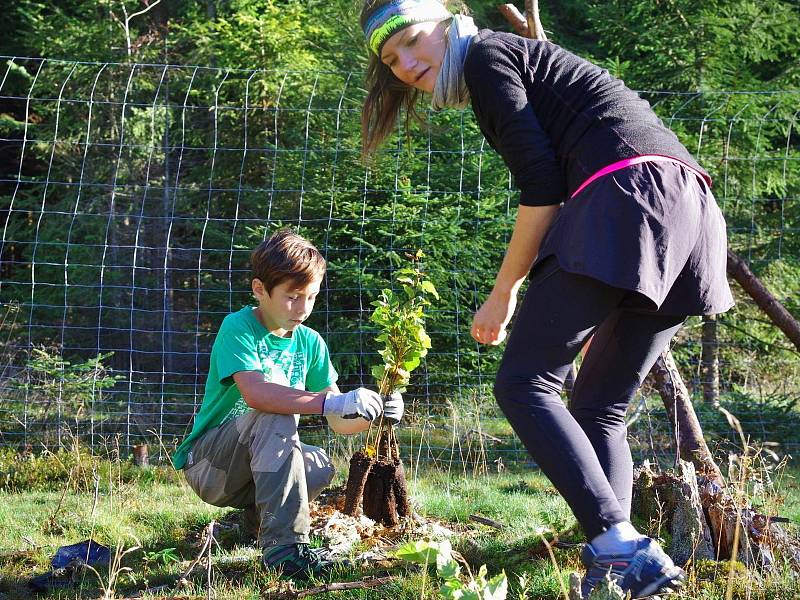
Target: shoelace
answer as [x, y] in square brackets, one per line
[305, 552]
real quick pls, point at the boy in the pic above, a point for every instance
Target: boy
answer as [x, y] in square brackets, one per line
[267, 368]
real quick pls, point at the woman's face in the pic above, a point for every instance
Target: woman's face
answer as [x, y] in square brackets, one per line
[415, 54]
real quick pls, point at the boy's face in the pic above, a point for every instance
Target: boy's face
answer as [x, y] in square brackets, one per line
[286, 306]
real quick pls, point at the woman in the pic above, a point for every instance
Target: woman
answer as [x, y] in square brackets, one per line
[616, 226]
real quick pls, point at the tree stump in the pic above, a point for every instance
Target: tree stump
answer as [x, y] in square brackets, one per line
[702, 519]
[674, 500]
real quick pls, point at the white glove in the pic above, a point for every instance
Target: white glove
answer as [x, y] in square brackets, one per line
[393, 408]
[359, 402]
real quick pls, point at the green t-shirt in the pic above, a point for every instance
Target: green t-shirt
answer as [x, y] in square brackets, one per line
[244, 344]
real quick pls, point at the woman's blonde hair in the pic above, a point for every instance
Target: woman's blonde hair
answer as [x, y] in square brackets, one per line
[386, 97]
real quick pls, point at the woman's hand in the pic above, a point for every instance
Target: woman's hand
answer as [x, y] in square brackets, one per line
[489, 324]
[532, 223]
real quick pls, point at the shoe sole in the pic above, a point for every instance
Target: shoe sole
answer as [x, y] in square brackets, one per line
[667, 583]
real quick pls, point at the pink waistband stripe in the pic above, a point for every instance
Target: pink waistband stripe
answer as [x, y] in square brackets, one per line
[627, 162]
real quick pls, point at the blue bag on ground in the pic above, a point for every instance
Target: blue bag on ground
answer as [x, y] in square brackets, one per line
[68, 563]
[87, 552]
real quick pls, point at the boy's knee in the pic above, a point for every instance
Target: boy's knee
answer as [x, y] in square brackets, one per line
[319, 470]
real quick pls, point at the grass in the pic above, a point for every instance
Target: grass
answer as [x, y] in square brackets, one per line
[64, 498]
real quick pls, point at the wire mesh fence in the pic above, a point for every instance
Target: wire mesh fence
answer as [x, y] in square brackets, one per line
[131, 195]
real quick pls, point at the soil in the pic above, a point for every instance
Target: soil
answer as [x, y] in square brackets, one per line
[380, 486]
[360, 465]
[380, 504]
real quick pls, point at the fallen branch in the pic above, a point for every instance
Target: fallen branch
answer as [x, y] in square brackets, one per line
[481, 434]
[687, 432]
[345, 585]
[776, 312]
[486, 521]
[205, 549]
[514, 18]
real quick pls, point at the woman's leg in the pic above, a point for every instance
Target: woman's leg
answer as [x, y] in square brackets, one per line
[559, 312]
[623, 350]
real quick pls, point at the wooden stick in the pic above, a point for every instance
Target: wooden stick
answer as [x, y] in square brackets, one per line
[486, 521]
[535, 29]
[514, 18]
[687, 432]
[776, 312]
[480, 434]
[183, 579]
[345, 585]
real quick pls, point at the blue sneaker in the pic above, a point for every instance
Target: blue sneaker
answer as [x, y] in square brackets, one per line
[644, 572]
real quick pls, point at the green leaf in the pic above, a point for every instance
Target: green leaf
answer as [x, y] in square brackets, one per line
[496, 588]
[448, 569]
[482, 574]
[378, 371]
[366, 243]
[419, 551]
[427, 286]
[445, 553]
[410, 365]
[452, 588]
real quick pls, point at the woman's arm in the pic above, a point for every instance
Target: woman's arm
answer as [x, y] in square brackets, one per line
[532, 223]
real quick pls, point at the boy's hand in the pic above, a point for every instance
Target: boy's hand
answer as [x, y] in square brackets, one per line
[393, 408]
[360, 402]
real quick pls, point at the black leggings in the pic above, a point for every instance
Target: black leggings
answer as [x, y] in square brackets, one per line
[584, 450]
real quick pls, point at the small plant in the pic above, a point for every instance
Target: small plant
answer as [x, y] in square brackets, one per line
[162, 557]
[376, 474]
[455, 585]
[400, 317]
[116, 570]
[73, 387]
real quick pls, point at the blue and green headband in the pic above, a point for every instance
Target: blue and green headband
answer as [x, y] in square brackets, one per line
[399, 14]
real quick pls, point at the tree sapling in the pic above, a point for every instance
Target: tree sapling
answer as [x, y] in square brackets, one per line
[376, 474]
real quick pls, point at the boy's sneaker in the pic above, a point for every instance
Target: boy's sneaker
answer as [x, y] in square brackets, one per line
[297, 561]
[645, 571]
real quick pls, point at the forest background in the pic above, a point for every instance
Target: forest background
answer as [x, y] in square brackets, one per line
[129, 238]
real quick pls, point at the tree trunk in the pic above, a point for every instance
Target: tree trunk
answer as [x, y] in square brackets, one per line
[751, 284]
[709, 361]
[686, 428]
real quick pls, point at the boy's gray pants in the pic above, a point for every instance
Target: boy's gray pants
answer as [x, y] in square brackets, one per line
[258, 459]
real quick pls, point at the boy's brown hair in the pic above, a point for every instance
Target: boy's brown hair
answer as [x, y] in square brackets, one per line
[286, 255]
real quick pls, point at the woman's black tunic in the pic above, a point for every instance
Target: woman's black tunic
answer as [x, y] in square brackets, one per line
[556, 119]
